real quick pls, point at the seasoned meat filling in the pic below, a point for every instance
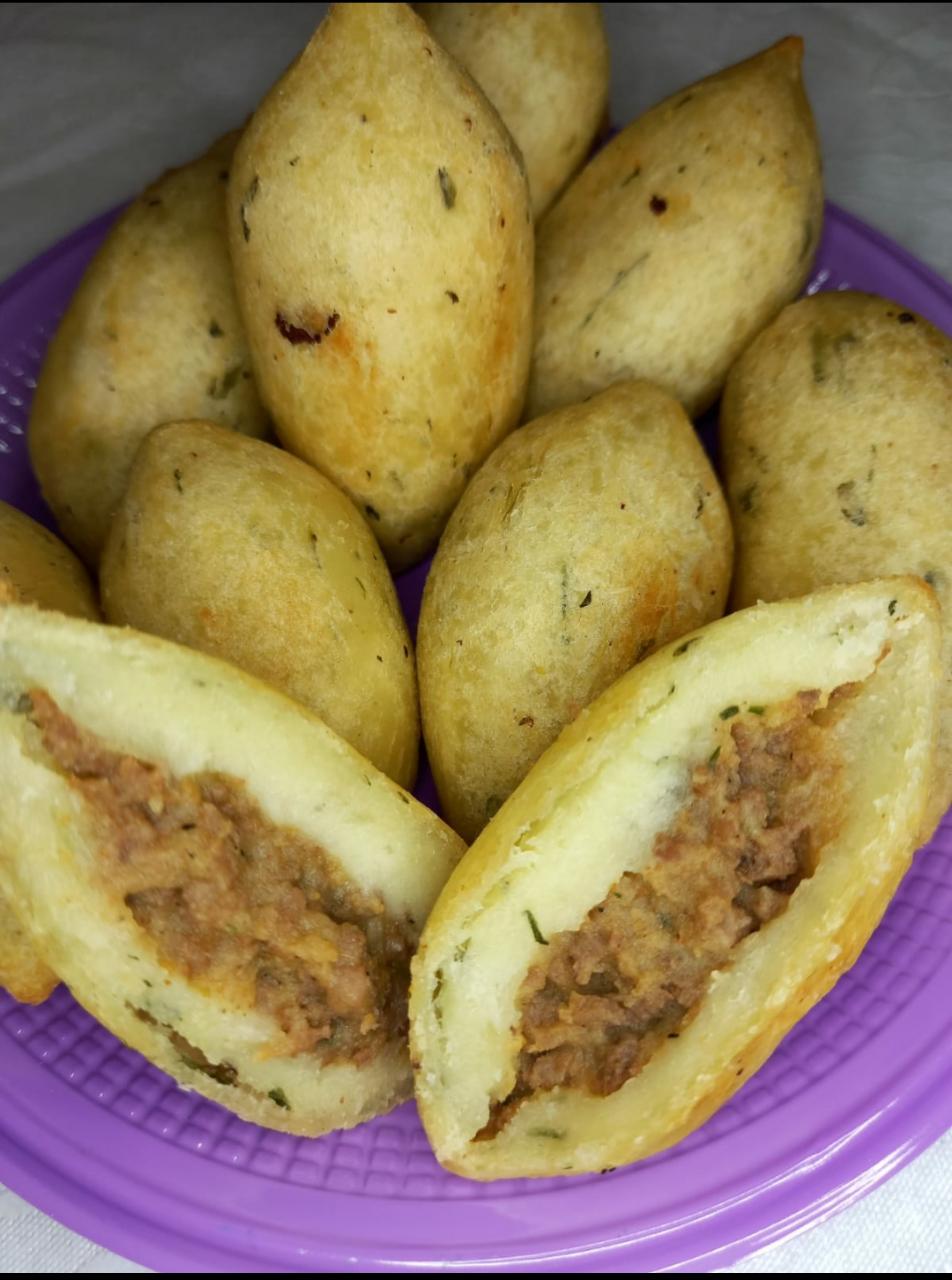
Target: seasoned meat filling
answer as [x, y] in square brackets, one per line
[609, 993]
[237, 903]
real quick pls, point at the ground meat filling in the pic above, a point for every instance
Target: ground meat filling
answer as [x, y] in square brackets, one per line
[610, 992]
[238, 904]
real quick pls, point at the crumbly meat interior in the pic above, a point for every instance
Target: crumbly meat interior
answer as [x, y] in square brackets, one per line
[609, 993]
[237, 903]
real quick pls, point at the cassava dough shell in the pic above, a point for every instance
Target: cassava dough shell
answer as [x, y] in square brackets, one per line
[382, 243]
[236, 548]
[836, 439]
[191, 713]
[151, 335]
[680, 239]
[35, 567]
[589, 538]
[544, 67]
[588, 812]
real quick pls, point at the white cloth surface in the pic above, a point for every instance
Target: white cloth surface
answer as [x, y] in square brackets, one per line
[96, 99]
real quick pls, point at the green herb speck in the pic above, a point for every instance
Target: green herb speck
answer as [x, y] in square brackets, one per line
[807, 239]
[493, 803]
[219, 390]
[536, 931]
[683, 648]
[279, 1098]
[437, 992]
[892, 607]
[447, 187]
[223, 1072]
[556, 1134]
[712, 758]
[564, 574]
[513, 495]
[823, 347]
[746, 499]
[249, 199]
[728, 712]
[852, 509]
[820, 347]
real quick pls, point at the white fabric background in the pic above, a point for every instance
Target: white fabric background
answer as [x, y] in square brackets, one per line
[96, 99]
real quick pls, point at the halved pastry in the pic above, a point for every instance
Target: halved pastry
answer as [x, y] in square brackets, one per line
[34, 566]
[219, 879]
[683, 874]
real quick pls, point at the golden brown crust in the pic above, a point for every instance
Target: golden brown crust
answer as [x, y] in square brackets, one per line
[382, 244]
[192, 714]
[554, 113]
[681, 239]
[234, 547]
[22, 971]
[151, 335]
[837, 457]
[588, 539]
[34, 567]
[590, 810]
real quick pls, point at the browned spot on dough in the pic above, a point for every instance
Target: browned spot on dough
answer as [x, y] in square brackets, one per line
[310, 332]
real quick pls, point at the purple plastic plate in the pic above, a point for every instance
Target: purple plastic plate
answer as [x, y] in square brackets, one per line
[95, 1136]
